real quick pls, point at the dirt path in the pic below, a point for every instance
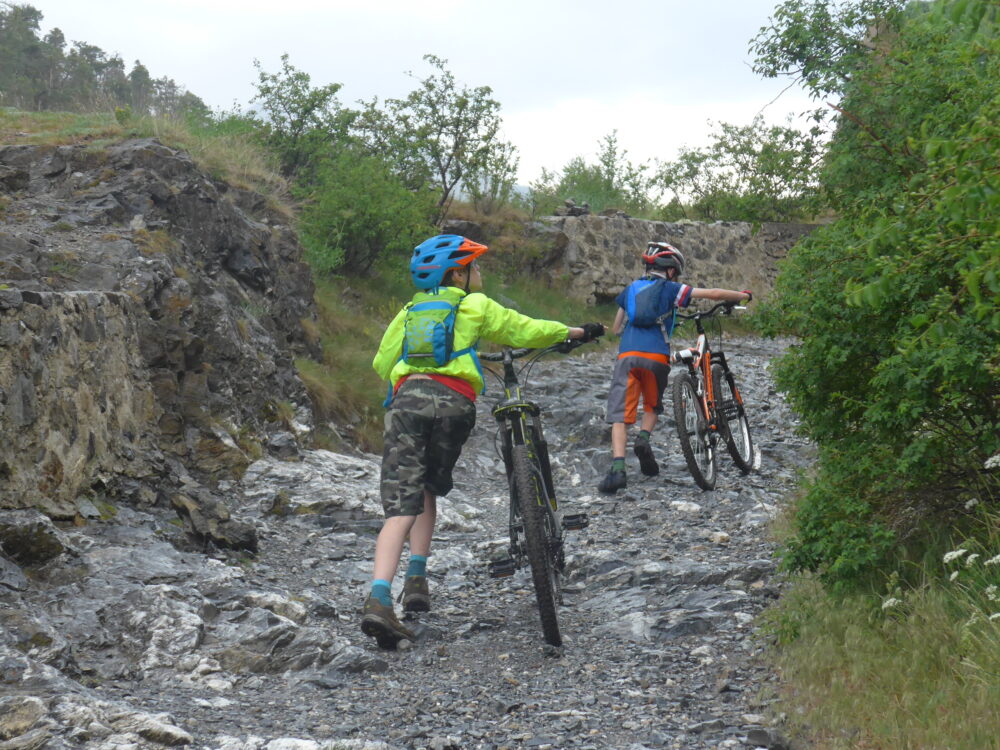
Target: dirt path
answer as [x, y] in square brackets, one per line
[661, 595]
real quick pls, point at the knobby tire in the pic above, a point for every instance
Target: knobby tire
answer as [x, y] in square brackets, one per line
[692, 429]
[733, 423]
[535, 514]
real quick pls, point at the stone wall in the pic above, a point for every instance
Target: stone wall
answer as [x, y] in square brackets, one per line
[151, 317]
[592, 258]
[72, 409]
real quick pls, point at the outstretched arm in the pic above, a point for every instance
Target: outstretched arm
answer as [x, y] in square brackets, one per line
[722, 295]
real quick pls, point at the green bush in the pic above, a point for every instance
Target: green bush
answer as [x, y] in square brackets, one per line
[898, 302]
[356, 210]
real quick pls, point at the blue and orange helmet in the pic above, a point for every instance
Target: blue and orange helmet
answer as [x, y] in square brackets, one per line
[433, 258]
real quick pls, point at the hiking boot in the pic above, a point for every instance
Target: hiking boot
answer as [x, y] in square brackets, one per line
[614, 481]
[647, 464]
[416, 596]
[379, 622]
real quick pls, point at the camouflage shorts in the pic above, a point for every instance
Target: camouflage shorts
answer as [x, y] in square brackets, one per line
[425, 429]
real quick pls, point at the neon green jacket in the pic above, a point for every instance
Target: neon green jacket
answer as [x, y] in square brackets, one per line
[478, 317]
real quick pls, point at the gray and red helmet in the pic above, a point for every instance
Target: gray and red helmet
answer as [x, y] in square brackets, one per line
[662, 256]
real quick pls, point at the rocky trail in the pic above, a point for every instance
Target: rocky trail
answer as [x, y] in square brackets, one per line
[117, 633]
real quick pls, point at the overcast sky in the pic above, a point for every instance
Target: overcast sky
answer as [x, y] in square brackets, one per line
[566, 73]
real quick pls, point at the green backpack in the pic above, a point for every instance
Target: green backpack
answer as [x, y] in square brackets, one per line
[429, 329]
[429, 332]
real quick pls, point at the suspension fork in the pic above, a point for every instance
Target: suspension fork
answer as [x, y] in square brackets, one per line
[720, 357]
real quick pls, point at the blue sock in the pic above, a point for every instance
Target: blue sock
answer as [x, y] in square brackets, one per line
[382, 590]
[417, 567]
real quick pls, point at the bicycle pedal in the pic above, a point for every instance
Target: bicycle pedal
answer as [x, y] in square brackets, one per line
[502, 568]
[575, 522]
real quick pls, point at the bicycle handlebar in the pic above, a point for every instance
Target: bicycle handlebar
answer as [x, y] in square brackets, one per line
[563, 347]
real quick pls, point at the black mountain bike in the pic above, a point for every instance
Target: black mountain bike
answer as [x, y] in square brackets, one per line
[536, 525]
[708, 405]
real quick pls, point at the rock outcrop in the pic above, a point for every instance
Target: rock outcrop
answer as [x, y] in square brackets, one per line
[149, 316]
[592, 258]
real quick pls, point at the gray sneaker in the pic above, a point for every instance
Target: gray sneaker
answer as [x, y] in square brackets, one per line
[614, 481]
[647, 464]
[416, 596]
[379, 622]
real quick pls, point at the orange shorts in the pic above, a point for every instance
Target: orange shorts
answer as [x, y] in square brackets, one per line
[637, 375]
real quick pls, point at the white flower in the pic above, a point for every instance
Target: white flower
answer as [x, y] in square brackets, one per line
[971, 504]
[953, 576]
[954, 554]
[890, 603]
[993, 462]
[971, 559]
[993, 561]
[991, 593]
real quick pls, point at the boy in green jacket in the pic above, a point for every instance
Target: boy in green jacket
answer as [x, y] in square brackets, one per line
[434, 376]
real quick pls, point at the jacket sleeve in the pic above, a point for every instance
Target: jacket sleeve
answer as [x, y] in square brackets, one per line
[510, 328]
[391, 347]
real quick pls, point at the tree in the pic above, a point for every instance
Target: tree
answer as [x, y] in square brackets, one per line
[39, 74]
[613, 182]
[301, 120]
[440, 134]
[140, 87]
[749, 173]
[21, 56]
[822, 45]
[490, 185]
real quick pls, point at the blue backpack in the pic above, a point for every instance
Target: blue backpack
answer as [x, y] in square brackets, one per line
[642, 305]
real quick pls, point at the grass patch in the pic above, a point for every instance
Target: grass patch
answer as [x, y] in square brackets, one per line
[156, 242]
[352, 315]
[235, 157]
[913, 669]
[56, 128]
[538, 300]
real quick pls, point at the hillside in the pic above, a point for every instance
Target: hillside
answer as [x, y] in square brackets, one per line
[150, 316]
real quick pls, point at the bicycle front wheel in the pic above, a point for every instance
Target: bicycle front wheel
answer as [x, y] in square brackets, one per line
[733, 422]
[693, 431]
[539, 540]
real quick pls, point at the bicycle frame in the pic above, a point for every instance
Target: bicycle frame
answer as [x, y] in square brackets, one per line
[520, 423]
[699, 357]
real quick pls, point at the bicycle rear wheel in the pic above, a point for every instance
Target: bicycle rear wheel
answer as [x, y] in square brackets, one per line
[539, 536]
[692, 428]
[733, 423]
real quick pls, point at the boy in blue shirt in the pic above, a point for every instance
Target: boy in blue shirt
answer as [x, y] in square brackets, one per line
[643, 365]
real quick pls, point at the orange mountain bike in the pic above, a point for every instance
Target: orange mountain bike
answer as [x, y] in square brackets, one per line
[708, 405]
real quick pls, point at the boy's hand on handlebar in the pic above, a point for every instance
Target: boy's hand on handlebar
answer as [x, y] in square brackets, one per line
[591, 331]
[748, 294]
[567, 346]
